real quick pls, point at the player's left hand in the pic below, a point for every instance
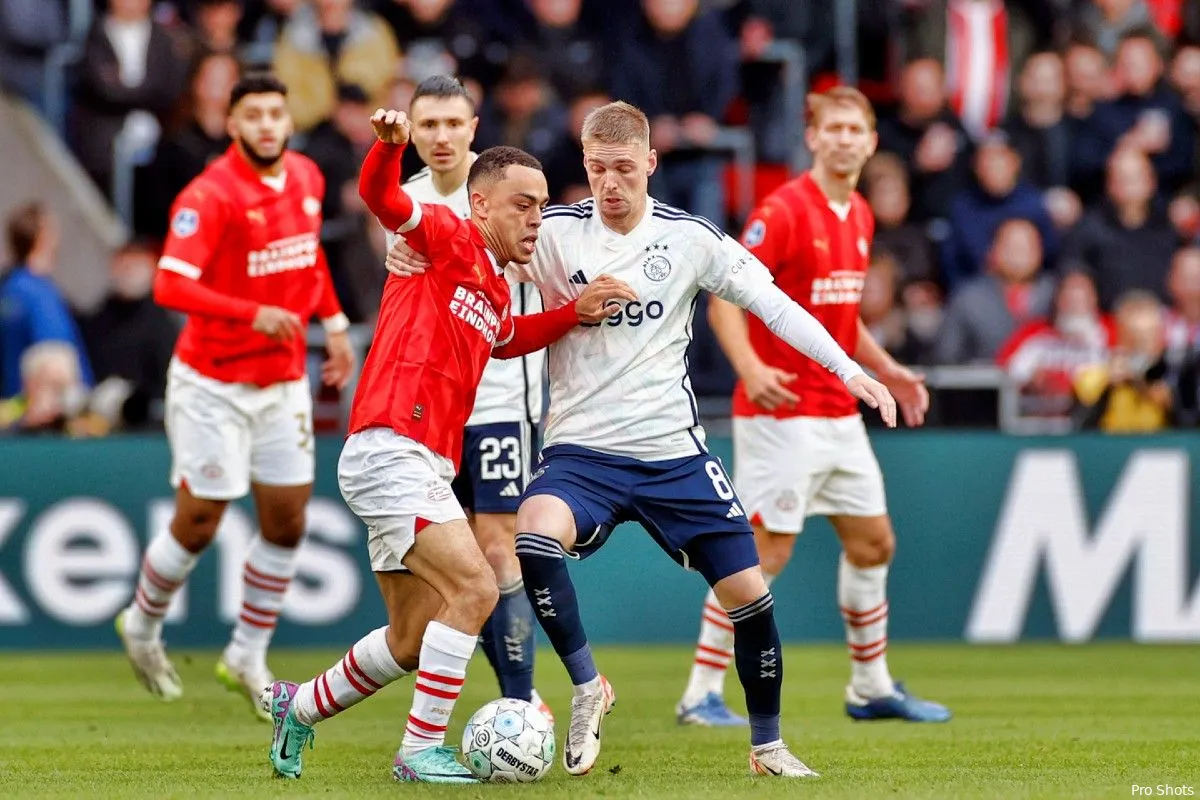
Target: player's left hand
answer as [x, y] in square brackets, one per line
[402, 260]
[875, 395]
[338, 368]
[908, 388]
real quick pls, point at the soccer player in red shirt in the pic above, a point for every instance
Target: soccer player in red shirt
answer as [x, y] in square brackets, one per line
[800, 447]
[433, 339]
[243, 261]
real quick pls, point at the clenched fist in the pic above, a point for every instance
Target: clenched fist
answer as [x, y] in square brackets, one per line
[391, 126]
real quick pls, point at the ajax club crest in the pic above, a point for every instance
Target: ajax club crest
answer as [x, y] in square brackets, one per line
[656, 266]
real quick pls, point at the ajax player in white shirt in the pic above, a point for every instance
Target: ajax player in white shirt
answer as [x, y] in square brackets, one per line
[498, 440]
[623, 440]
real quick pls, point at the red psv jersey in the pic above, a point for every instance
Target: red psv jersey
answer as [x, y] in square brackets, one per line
[235, 234]
[820, 260]
[434, 336]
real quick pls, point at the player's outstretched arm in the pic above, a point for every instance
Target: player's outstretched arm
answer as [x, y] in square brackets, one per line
[532, 332]
[766, 386]
[379, 182]
[791, 322]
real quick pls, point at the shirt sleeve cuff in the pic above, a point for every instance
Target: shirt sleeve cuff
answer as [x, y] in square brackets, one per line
[338, 323]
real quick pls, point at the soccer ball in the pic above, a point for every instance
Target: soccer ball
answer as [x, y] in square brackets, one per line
[508, 741]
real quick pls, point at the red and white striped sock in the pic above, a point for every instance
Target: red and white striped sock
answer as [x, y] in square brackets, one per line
[862, 595]
[265, 577]
[366, 668]
[714, 653]
[165, 567]
[442, 670]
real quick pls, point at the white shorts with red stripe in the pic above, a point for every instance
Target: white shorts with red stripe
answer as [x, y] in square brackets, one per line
[788, 469]
[396, 486]
[225, 435]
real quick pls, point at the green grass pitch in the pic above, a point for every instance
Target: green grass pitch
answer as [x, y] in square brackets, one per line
[1031, 721]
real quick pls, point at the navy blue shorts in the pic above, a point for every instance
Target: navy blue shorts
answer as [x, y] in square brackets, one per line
[688, 505]
[495, 467]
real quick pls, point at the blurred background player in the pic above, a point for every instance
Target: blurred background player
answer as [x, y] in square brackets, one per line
[623, 441]
[405, 439]
[800, 446]
[498, 441]
[242, 260]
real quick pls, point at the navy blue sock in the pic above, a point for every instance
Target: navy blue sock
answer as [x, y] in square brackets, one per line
[759, 658]
[487, 643]
[511, 632]
[552, 595]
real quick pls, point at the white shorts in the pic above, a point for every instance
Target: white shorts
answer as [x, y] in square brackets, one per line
[395, 485]
[789, 469]
[225, 435]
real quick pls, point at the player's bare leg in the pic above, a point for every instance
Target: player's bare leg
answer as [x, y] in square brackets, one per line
[868, 544]
[759, 659]
[508, 636]
[268, 569]
[547, 532]
[166, 565]
[381, 657]
[703, 700]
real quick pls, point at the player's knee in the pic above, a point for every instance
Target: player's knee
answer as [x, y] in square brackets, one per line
[774, 552]
[474, 590]
[548, 516]
[497, 540]
[195, 523]
[872, 551]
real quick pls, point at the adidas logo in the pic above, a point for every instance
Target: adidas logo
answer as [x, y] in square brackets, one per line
[735, 511]
[579, 279]
[511, 490]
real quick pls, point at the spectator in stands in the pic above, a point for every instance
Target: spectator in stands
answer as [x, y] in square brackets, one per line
[132, 72]
[437, 32]
[261, 27]
[567, 53]
[984, 313]
[216, 26]
[327, 42]
[1185, 78]
[29, 30]
[885, 184]
[1182, 353]
[564, 168]
[1127, 241]
[883, 315]
[1105, 23]
[1044, 356]
[338, 146]
[130, 338]
[52, 396]
[926, 135]
[1129, 393]
[996, 194]
[1146, 114]
[32, 308]
[982, 45]
[1088, 79]
[1041, 132]
[523, 112]
[776, 135]
[182, 155]
[680, 67]
[925, 314]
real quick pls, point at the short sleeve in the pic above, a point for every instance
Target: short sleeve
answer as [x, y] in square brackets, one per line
[733, 273]
[767, 233]
[198, 221]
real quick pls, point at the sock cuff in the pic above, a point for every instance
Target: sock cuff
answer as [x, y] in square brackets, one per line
[870, 575]
[169, 554]
[447, 640]
[536, 545]
[762, 605]
[271, 558]
[376, 645]
[514, 588]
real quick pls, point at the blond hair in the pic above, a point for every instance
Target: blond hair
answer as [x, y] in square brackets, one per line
[839, 96]
[616, 123]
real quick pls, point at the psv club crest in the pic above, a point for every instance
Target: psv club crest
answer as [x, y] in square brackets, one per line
[656, 266]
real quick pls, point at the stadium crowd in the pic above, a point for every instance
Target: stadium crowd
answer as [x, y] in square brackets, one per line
[1036, 189]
